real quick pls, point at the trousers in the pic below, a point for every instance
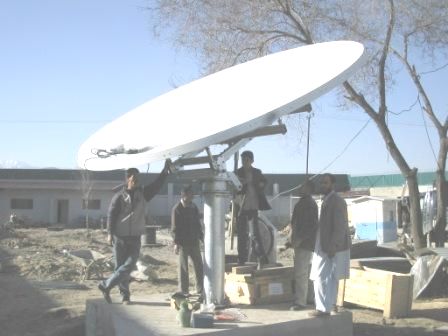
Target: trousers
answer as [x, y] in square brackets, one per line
[326, 288]
[193, 251]
[126, 252]
[302, 259]
[245, 241]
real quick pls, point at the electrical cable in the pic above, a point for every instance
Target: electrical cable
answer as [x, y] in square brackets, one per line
[327, 166]
[427, 133]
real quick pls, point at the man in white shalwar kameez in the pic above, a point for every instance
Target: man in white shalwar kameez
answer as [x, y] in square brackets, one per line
[331, 257]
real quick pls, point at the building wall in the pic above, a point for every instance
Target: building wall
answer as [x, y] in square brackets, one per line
[375, 219]
[45, 206]
[50, 188]
[396, 191]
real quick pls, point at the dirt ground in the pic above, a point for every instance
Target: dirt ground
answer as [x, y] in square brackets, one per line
[42, 291]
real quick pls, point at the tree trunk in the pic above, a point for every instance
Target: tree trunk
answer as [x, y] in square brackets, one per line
[410, 174]
[415, 210]
[438, 232]
[440, 227]
[411, 179]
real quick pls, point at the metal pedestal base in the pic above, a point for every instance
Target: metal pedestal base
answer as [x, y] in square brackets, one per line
[216, 200]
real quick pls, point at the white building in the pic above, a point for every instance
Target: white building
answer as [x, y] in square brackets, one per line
[68, 197]
[374, 218]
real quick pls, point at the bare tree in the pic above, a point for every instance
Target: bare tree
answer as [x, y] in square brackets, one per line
[225, 32]
[424, 27]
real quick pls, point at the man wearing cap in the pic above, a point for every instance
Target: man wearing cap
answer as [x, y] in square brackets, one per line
[125, 225]
[187, 233]
[250, 199]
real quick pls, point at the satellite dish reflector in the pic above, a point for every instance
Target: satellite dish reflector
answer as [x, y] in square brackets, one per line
[221, 106]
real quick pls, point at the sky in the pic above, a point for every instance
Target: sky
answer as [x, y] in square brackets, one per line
[69, 67]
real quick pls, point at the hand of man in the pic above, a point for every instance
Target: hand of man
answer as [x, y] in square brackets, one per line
[176, 248]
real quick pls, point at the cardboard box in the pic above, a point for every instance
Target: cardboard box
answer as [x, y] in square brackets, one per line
[269, 285]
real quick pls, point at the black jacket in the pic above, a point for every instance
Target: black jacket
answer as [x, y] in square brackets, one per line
[304, 223]
[127, 209]
[186, 226]
[259, 182]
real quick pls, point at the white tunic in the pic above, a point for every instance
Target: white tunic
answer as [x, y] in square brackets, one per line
[322, 266]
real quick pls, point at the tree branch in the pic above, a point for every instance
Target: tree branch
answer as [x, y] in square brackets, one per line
[269, 32]
[360, 100]
[290, 13]
[382, 63]
[422, 92]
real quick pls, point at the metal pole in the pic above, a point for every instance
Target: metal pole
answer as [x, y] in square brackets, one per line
[215, 197]
[308, 144]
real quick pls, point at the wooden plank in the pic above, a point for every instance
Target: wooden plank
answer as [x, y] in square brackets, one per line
[263, 275]
[368, 296]
[365, 289]
[240, 292]
[388, 298]
[229, 266]
[274, 299]
[278, 271]
[244, 269]
[401, 297]
[341, 293]
[378, 289]
[238, 277]
[380, 272]
[269, 279]
[392, 264]
[355, 263]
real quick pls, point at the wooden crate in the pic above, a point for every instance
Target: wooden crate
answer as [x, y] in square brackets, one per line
[387, 291]
[269, 285]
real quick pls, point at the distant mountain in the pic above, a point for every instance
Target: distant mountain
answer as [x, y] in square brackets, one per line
[14, 164]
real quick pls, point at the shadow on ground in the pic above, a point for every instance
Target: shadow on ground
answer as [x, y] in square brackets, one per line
[367, 329]
[26, 310]
[438, 314]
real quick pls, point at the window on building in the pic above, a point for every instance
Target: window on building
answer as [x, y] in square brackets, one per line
[21, 203]
[91, 204]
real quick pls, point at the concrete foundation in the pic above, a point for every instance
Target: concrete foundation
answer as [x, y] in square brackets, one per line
[153, 316]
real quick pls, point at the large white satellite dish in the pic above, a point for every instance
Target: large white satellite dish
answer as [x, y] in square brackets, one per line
[221, 106]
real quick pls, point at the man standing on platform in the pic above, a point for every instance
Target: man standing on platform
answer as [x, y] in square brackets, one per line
[250, 200]
[125, 225]
[331, 257]
[302, 239]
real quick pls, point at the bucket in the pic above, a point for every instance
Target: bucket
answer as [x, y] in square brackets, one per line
[149, 237]
[184, 316]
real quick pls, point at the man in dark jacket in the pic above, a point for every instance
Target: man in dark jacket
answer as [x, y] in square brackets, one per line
[302, 239]
[331, 257]
[187, 234]
[250, 200]
[125, 225]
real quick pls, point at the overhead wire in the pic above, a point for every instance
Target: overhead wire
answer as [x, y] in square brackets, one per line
[329, 165]
[427, 132]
